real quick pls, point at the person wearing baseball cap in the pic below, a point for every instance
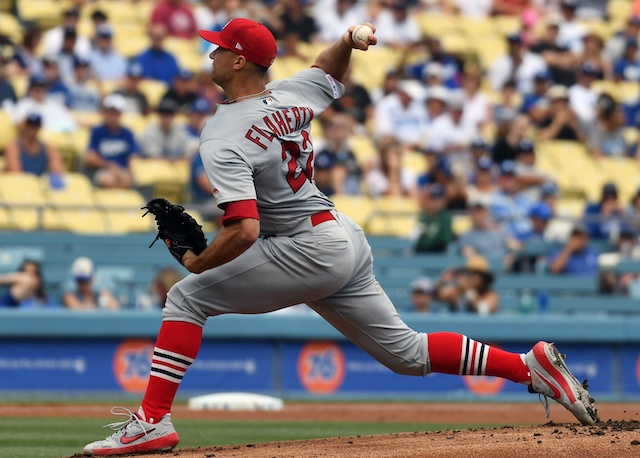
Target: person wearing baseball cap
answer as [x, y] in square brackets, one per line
[83, 294]
[435, 221]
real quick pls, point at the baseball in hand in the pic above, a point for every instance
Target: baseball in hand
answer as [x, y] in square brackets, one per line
[361, 33]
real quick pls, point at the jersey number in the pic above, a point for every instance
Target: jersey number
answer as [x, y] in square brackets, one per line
[296, 175]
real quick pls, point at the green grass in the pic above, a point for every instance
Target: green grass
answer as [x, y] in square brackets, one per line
[58, 437]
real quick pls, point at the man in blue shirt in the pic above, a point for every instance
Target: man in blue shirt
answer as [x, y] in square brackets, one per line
[576, 257]
[111, 147]
[156, 62]
[627, 68]
[508, 207]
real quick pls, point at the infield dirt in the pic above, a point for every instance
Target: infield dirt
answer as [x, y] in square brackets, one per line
[617, 435]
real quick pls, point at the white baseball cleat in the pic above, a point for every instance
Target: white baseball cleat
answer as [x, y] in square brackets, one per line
[550, 377]
[135, 436]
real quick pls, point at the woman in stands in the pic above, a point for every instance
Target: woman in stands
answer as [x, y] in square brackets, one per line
[26, 286]
[27, 154]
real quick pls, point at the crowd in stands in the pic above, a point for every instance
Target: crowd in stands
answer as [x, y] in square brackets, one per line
[460, 128]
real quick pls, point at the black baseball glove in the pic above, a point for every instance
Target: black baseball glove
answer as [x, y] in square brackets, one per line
[177, 228]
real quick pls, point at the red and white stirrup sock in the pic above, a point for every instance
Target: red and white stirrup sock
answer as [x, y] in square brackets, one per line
[457, 354]
[176, 348]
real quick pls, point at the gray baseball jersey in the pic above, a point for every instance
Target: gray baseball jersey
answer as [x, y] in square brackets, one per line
[261, 149]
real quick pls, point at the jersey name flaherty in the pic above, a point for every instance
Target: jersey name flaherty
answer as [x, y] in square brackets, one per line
[279, 124]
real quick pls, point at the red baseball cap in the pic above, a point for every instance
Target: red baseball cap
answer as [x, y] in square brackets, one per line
[247, 38]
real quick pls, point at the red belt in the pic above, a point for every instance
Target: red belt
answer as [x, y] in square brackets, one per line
[321, 217]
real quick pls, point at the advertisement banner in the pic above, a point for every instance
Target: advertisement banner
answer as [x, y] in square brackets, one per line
[106, 365]
[325, 367]
[630, 365]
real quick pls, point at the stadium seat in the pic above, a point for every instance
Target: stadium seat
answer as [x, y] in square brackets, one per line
[431, 24]
[5, 222]
[614, 169]
[77, 190]
[359, 208]
[369, 68]
[123, 210]
[21, 191]
[364, 149]
[137, 123]
[619, 10]
[475, 29]
[415, 161]
[151, 171]
[489, 49]
[284, 67]
[393, 216]
[506, 25]
[153, 91]
[130, 41]
[457, 43]
[119, 198]
[46, 13]
[461, 224]
[11, 27]
[628, 92]
[570, 207]
[7, 132]
[20, 85]
[84, 221]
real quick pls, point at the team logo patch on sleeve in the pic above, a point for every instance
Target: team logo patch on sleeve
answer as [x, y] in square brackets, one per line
[334, 86]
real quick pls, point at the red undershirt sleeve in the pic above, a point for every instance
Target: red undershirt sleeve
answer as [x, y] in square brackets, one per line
[240, 209]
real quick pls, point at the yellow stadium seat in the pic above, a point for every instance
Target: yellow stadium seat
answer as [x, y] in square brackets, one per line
[364, 149]
[570, 207]
[123, 210]
[619, 10]
[369, 68]
[622, 171]
[119, 198]
[20, 85]
[396, 226]
[489, 49]
[631, 135]
[153, 91]
[130, 43]
[136, 122]
[396, 205]
[317, 131]
[77, 190]
[21, 191]
[456, 43]
[10, 27]
[359, 208]
[414, 161]
[5, 222]
[476, 29]
[83, 221]
[436, 24]
[461, 224]
[7, 132]
[126, 221]
[284, 67]
[506, 25]
[628, 91]
[47, 13]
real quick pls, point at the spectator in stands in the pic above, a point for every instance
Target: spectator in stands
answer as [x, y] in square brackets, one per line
[25, 60]
[632, 211]
[560, 123]
[560, 61]
[615, 47]
[531, 100]
[100, 22]
[399, 115]
[84, 295]
[392, 77]
[478, 9]
[336, 167]
[66, 57]
[450, 73]
[196, 117]
[576, 257]
[182, 91]
[57, 90]
[84, 94]
[389, 177]
[530, 177]
[603, 218]
[28, 154]
[583, 97]
[26, 286]
[468, 289]
[200, 187]
[162, 283]
[627, 67]
[333, 17]
[156, 62]
[571, 31]
[107, 64]
[526, 261]
[395, 26]
[435, 227]
[507, 206]
[294, 19]
[482, 185]
[355, 101]
[518, 64]
[606, 136]
[212, 15]
[111, 147]
[55, 115]
[165, 139]
[421, 295]
[477, 109]
[135, 100]
[593, 54]
[511, 7]
[462, 132]
[485, 238]
[53, 38]
[438, 129]
[177, 17]
[508, 106]
[7, 93]
[509, 134]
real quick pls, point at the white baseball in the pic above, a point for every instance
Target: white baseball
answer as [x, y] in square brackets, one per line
[361, 32]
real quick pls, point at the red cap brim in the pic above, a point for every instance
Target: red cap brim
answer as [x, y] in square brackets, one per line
[213, 37]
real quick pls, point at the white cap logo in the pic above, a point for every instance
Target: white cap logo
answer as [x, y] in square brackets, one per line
[239, 47]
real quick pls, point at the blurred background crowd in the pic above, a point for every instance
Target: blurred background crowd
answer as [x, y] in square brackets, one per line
[502, 132]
